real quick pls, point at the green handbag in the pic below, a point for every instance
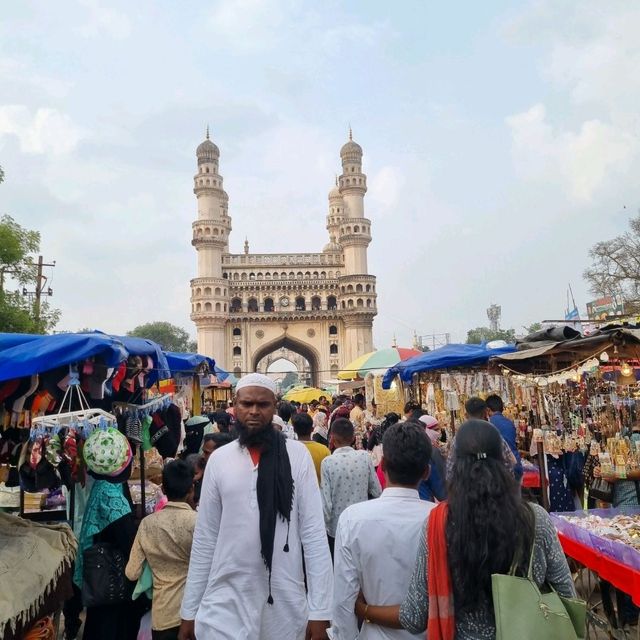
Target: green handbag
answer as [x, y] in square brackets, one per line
[522, 611]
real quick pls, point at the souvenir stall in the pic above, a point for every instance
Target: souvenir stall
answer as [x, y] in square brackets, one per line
[442, 380]
[367, 371]
[200, 384]
[589, 402]
[216, 395]
[56, 393]
[33, 376]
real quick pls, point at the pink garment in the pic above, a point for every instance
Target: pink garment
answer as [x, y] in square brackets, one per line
[428, 421]
[434, 436]
[161, 504]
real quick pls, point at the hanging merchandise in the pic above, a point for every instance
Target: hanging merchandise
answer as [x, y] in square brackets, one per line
[107, 452]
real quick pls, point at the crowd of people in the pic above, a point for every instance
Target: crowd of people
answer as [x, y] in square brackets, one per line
[324, 521]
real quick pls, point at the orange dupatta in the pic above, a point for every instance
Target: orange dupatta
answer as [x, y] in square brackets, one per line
[441, 621]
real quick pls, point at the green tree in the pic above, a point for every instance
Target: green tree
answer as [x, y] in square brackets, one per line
[17, 246]
[485, 334]
[167, 335]
[290, 380]
[615, 268]
[533, 328]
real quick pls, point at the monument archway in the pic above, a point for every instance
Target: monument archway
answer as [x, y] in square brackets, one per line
[305, 351]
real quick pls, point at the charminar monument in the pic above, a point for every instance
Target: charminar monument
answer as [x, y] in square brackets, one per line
[248, 306]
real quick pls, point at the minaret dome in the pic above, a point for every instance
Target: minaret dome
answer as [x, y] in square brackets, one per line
[207, 151]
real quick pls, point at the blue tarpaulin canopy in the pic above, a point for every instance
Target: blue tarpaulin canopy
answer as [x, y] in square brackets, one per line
[25, 354]
[449, 356]
[191, 362]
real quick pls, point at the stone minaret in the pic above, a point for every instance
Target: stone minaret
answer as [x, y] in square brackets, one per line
[209, 294]
[357, 287]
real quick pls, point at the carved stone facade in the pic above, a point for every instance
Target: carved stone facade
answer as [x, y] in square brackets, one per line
[318, 305]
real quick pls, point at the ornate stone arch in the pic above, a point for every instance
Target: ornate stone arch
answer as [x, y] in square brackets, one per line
[305, 350]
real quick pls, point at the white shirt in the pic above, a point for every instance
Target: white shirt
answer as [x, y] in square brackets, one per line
[346, 477]
[376, 548]
[227, 585]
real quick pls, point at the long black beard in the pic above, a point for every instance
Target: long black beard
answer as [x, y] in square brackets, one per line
[254, 437]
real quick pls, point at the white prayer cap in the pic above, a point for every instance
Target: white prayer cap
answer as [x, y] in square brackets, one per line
[277, 420]
[256, 380]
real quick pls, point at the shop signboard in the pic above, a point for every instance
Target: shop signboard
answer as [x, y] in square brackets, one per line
[604, 307]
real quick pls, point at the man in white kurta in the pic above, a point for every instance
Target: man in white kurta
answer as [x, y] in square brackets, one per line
[228, 583]
[376, 540]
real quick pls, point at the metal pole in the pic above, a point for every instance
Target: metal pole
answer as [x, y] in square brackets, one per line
[36, 306]
[543, 476]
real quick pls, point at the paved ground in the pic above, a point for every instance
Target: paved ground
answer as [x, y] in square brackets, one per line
[587, 587]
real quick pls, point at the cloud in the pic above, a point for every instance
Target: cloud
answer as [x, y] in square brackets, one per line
[250, 25]
[17, 72]
[588, 141]
[385, 189]
[103, 20]
[345, 36]
[43, 131]
[582, 161]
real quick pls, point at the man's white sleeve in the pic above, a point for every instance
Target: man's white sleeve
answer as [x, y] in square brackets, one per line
[344, 624]
[205, 538]
[314, 541]
[325, 488]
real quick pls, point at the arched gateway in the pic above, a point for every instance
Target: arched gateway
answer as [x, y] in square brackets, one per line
[319, 305]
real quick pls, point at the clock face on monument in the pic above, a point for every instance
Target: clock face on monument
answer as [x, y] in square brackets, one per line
[284, 301]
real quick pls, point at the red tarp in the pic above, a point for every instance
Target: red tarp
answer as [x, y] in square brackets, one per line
[619, 575]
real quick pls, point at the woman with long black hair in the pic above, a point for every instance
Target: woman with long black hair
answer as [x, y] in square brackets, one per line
[484, 527]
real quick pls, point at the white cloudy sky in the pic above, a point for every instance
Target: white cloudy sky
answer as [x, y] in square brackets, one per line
[500, 139]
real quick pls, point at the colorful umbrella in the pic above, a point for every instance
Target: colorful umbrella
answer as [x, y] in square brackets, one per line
[305, 395]
[376, 361]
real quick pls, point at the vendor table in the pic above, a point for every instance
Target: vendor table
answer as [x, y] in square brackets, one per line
[619, 575]
[605, 559]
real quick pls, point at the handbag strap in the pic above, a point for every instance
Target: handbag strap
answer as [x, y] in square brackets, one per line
[514, 563]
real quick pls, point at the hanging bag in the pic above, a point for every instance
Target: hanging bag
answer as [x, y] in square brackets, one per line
[601, 490]
[522, 611]
[103, 578]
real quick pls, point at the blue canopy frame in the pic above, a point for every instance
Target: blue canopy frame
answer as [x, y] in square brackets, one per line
[447, 357]
[23, 355]
[191, 362]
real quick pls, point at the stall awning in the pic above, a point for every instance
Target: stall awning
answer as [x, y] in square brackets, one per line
[192, 362]
[550, 356]
[447, 357]
[24, 355]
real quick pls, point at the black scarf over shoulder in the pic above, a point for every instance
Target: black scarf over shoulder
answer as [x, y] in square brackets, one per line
[275, 495]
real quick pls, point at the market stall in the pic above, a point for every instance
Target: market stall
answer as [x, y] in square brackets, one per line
[365, 374]
[59, 394]
[442, 380]
[589, 408]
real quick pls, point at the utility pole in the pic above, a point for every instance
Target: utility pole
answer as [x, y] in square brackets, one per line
[41, 282]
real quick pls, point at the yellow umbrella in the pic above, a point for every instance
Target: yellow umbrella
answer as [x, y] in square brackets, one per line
[305, 395]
